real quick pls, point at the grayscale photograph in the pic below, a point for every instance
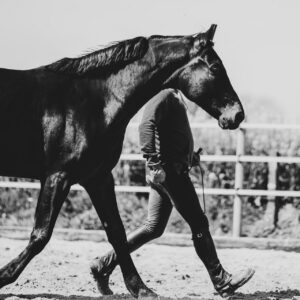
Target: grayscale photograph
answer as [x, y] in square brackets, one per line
[149, 150]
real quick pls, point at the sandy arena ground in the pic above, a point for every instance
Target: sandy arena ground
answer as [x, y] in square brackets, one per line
[61, 272]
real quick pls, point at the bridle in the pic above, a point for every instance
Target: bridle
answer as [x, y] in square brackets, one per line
[209, 45]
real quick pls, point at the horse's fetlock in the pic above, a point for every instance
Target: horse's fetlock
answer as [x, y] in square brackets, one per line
[6, 278]
[38, 240]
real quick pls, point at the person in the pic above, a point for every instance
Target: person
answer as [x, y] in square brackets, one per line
[167, 144]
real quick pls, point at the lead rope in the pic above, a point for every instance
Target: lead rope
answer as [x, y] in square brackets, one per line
[202, 179]
[202, 182]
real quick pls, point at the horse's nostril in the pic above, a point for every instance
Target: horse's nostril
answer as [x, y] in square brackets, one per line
[239, 117]
[223, 119]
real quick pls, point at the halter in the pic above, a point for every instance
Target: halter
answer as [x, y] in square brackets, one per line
[207, 46]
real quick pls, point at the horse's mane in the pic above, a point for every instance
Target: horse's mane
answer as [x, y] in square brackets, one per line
[114, 56]
[165, 37]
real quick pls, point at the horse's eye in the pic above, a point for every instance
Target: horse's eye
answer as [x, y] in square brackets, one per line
[215, 68]
[202, 44]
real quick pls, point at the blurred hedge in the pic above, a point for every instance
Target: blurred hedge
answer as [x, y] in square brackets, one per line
[17, 206]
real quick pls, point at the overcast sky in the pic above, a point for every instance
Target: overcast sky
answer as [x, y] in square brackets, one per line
[258, 41]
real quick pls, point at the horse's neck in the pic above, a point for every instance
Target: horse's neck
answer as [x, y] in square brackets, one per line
[138, 82]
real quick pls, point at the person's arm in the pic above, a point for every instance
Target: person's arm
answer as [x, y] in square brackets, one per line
[196, 158]
[149, 138]
[149, 141]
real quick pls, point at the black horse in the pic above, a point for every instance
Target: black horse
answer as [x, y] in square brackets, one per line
[64, 123]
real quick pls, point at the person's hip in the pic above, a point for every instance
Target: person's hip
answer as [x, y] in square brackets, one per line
[178, 168]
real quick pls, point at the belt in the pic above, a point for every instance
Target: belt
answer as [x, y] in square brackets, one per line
[177, 167]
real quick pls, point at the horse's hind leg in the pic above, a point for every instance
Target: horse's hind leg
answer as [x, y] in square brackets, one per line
[104, 200]
[53, 192]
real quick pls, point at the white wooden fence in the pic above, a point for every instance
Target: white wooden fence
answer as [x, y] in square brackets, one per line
[238, 192]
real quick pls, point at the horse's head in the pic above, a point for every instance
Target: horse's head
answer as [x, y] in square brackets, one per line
[204, 81]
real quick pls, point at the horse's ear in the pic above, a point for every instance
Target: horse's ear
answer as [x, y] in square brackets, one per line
[201, 39]
[211, 32]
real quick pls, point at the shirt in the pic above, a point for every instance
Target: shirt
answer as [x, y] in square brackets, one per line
[165, 132]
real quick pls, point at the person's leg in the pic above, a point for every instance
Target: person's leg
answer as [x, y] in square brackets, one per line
[187, 203]
[159, 210]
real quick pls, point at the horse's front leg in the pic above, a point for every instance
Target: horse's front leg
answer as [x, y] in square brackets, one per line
[54, 191]
[104, 200]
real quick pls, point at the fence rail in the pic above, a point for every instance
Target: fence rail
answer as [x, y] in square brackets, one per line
[146, 189]
[214, 125]
[231, 158]
[238, 159]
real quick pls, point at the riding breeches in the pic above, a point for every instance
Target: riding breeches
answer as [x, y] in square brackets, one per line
[185, 199]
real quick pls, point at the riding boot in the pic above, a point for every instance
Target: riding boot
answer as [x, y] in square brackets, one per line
[102, 267]
[224, 283]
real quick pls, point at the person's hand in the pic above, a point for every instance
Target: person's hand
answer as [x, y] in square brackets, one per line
[157, 175]
[195, 159]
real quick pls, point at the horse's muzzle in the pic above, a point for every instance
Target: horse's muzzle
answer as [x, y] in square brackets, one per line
[231, 119]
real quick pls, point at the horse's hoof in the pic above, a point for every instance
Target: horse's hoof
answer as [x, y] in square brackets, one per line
[102, 279]
[103, 286]
[138, 289]
[147, 294]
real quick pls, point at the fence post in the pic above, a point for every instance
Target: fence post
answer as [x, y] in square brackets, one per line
[272, 180]
[239, 179]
